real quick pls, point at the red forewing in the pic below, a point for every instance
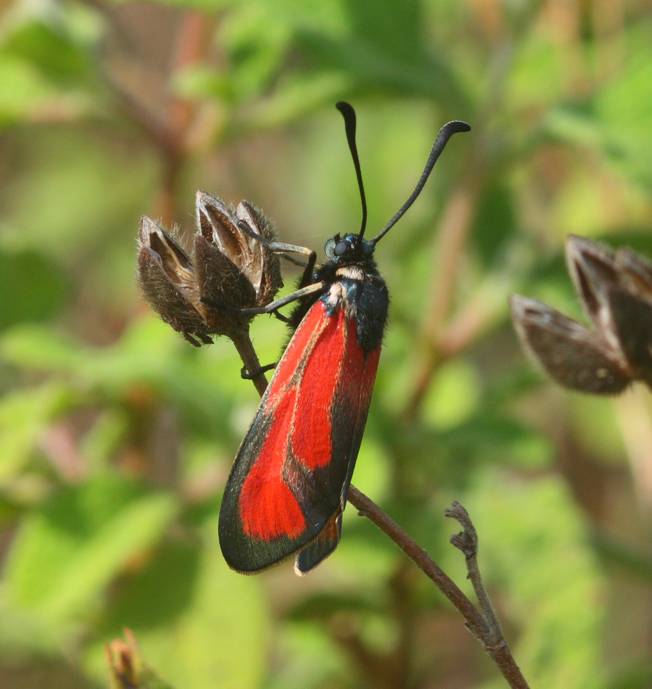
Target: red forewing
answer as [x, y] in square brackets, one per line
[290, 477]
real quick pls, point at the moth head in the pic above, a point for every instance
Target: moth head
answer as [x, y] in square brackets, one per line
[348, 248]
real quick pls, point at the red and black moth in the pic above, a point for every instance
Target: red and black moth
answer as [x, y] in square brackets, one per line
[288, 485]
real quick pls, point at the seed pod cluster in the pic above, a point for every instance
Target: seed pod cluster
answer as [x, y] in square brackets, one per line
[200, 291]
[615, 288]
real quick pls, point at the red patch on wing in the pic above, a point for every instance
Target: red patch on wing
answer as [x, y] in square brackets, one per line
[307, 332]
[268, 509]
[326, 352]
[311, 433]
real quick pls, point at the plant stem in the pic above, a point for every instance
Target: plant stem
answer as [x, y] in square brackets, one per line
[367, 508]
[245, 347]
[467, 542]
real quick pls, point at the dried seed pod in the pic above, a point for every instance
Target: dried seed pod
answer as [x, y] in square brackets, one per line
[232, 268]
[166, 277]
[577, 358]
[266, 270]
[592, 266]
[631, 326]
[635, 273]
[615, 287]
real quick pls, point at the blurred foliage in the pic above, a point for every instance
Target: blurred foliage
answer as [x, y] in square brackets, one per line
[117, 436]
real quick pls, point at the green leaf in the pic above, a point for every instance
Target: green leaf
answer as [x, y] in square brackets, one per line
[633, 675]
[615, 120]
[495, 223]
[372, 65]
[492, 437]
[39, 348]
[314, 660]
[22, 90]
[23, 417]
[199, 624]
[321, 606]
[50, 50]
[150, 355]
[38, 286]
[66, 552]
[454, 395]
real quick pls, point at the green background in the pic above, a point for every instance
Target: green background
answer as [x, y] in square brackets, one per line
[116, 436]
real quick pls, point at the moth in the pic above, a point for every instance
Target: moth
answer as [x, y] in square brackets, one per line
[288, 485]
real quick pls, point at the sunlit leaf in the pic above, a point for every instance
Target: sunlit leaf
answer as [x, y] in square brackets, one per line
[50, 50]
[22, 90]
[38, 286]
[68, 551]
[23, 418]
[196, 621]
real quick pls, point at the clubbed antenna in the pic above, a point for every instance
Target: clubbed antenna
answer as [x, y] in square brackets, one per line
[443, 136]
[348, 113]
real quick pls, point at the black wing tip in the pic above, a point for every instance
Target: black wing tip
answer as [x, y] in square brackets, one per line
[320, 548]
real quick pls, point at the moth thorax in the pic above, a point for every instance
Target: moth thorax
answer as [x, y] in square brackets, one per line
[350, 272]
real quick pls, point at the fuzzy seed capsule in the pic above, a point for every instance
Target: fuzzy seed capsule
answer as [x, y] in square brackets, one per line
[615, 288]
[200, 292]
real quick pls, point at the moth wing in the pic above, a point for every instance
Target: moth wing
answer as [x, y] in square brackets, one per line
[291, 473]
[348, 419]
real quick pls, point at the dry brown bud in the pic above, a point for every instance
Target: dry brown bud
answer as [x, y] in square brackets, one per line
[231, 269]
[615, 287]
[574, 356]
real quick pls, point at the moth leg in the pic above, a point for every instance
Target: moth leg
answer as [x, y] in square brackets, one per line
[280, 316]
[284, 248]
[272, 244]
[249, 375]
[301, 264]
[273, 306]
[308, 275]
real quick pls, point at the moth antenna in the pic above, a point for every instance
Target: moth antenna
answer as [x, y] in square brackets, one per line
[445, 133]
[348, 113]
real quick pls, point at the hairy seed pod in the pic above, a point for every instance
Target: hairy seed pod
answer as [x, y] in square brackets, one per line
[231, 269]
[615, 288]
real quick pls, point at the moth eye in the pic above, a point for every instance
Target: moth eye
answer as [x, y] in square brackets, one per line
[329, 248]
[341, 248]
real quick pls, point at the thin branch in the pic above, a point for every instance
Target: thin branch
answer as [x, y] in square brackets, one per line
[367, 508]
[467, 542]
[494, 642]
[482, 623]
[245, 347]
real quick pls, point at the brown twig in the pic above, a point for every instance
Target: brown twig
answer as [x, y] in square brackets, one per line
[467, 542]
[245, 347]
[482, 623]
[494, 642]
[367, 508]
